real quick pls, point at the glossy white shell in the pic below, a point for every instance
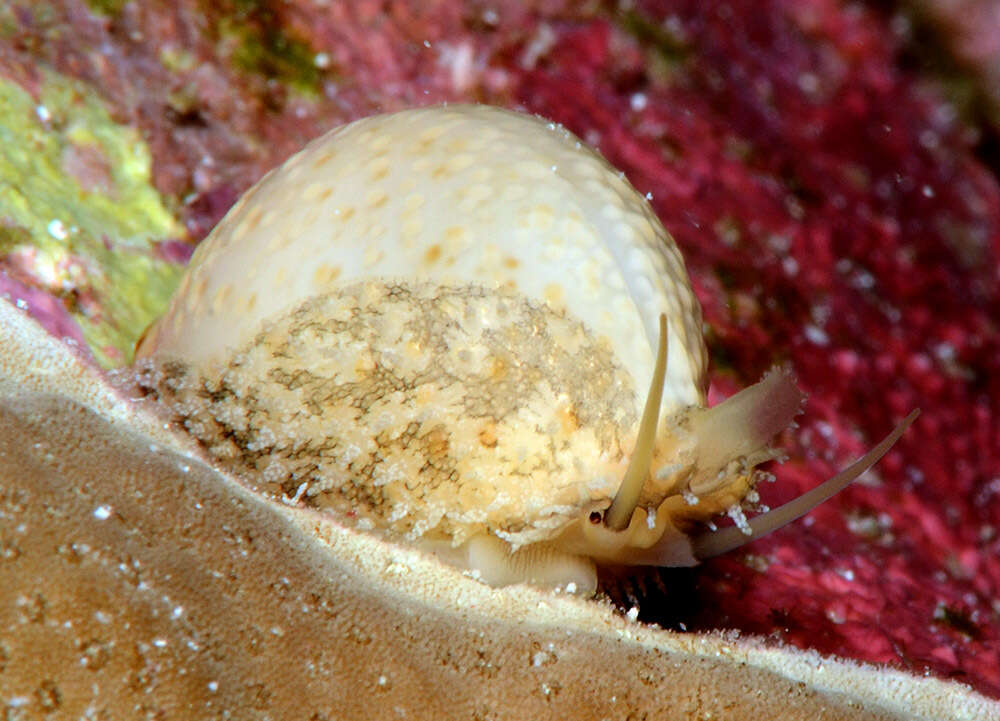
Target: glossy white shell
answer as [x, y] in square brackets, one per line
[453, 195]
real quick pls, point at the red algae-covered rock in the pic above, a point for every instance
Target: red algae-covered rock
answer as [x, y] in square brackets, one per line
[830, 205]
[831, 215]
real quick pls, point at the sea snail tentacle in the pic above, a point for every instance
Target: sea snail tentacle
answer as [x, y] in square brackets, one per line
[619, 513]
[436, 325]
[722, 541]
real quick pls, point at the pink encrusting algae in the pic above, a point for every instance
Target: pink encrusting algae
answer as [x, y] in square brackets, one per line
[879, 285]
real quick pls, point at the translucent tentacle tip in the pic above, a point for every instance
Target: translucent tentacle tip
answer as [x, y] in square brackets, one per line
[716, 543]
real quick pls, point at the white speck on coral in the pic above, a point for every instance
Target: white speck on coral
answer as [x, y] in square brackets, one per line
[808, 83]
[177, 612]
[397, 568]
[863, 280]
[160, 642]
[816, 335]
[21, 304]
[57, 230]
[632, 614]
[299, 492]
[461, 60]
[43, 113]
[213, 686]
[825, 429]
[779, 243]
[944, 352]
[638, 101]
[321, 60]
[103, 512]
[540, 43]
[689, 498]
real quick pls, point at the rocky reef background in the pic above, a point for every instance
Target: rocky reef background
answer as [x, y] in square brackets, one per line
[830, 171]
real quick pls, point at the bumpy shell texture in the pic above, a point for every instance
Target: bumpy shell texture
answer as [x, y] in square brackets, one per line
[441, 323]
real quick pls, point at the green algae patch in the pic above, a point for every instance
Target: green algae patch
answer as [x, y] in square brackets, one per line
[276, 53]
[79, 215]
[111, 8]
[262, 45]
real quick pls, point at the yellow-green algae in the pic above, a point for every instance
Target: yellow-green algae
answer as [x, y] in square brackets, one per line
[92, 246]
[110, 8]
[264, 46]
